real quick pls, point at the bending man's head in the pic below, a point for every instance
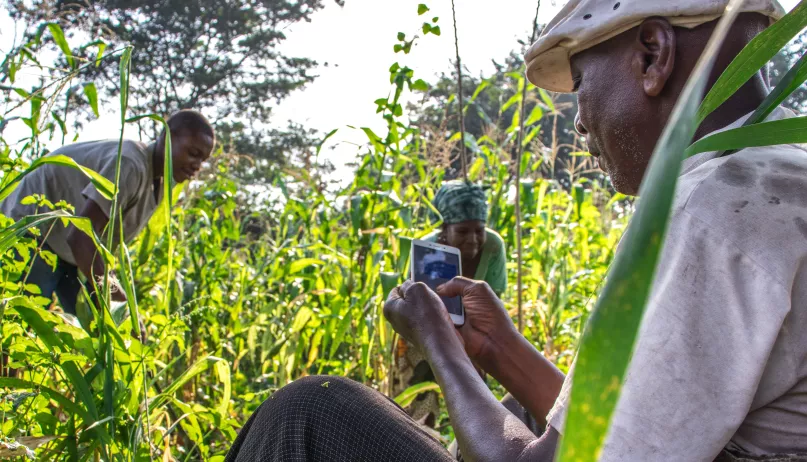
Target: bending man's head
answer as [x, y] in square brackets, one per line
[192, 143]
[629, 60]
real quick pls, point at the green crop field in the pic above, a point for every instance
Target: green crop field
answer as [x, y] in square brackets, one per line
[242, 292]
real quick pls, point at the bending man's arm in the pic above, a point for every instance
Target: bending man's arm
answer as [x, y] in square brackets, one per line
[88, 261]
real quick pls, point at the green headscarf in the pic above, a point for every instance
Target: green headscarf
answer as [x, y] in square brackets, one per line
[459, 201]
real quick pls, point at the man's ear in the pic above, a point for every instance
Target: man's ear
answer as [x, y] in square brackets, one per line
[655, 54]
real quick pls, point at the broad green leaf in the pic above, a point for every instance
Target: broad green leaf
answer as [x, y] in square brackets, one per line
[408, 396]
[46, 325]
[299, 265]
[92, 97]
[547, 100]
[403, 258]
[789, 83]
[754, 56]
[388, 282]
[531, 135]
[65, 402]
[196, 369]
[127, 280]
[422, 9]
[535, 115]
[419, 85]
[300, 320]
[223, 373]
[479, 89]
[100, 54]
[103, 185]
[12, 234]
[609, 337]
[513, 100]
[61, 42]
[785, 131]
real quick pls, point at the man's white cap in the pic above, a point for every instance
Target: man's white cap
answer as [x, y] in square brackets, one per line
[582, 24]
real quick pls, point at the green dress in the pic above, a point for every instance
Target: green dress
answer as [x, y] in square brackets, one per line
[411, 366]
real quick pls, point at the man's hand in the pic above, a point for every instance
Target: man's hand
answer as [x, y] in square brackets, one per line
[416, 312]
[486, 320]
[116, 290]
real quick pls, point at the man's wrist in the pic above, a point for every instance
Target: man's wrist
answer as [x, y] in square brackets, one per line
[501, 345]
[438, 338]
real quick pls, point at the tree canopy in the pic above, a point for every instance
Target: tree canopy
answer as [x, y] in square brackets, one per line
[217, 56]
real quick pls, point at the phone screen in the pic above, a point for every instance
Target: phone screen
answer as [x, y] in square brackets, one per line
[435, 267]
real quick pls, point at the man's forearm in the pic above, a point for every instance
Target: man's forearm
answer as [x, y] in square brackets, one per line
[525, 373]
[485, 430]
[86, 255]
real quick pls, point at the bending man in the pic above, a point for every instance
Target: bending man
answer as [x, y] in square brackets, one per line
[140, 192]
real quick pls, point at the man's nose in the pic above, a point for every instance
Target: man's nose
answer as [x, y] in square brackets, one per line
[578, 125]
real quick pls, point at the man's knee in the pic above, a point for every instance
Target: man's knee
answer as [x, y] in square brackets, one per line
[315, 382]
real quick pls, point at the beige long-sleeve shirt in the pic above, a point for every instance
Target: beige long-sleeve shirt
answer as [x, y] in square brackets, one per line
[137, 196]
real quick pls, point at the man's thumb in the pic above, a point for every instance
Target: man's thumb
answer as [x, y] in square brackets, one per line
[455, 287]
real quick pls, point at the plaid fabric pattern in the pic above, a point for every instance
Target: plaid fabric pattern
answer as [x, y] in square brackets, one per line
[459, 201]
[322, 418]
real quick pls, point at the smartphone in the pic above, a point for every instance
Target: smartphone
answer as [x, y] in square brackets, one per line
[434, 265]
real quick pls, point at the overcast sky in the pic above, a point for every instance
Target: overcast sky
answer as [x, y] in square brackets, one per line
[356, 41]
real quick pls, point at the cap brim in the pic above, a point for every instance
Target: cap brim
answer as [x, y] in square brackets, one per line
[551, 70]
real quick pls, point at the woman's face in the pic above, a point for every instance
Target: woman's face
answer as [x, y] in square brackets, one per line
[468, 236]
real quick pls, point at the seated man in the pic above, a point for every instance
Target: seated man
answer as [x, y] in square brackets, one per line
[719, 370]
[141, 177]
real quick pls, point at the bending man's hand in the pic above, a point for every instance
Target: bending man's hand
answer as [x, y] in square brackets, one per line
[486, 320]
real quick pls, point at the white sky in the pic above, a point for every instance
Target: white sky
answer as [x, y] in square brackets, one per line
[356, 40]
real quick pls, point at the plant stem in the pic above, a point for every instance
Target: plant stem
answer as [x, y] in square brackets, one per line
[463, 159]
[520, 148]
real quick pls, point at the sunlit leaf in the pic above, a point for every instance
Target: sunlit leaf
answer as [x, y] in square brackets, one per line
[92, 96]
[785, 131]
[754, 56]
[103, 185]
[299, 265]
[408, 396]
[61, 42]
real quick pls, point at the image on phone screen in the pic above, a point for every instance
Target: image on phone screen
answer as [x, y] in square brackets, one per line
[435, 267]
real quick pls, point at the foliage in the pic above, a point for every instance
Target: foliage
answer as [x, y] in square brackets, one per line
[236, 305]
[493, 110]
